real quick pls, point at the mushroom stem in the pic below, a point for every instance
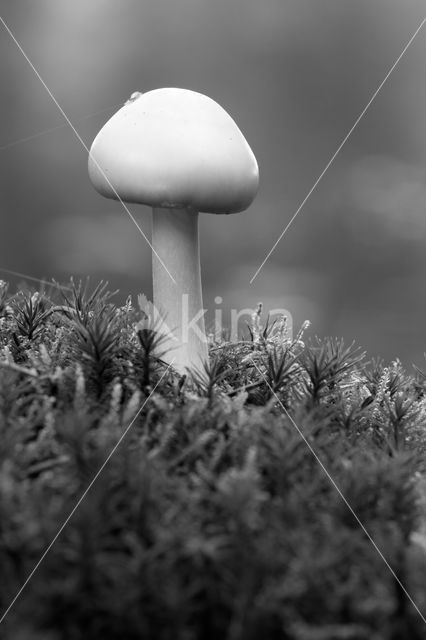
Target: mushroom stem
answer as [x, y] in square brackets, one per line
[175, 240]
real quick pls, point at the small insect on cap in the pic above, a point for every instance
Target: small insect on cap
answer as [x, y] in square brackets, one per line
[174, 148]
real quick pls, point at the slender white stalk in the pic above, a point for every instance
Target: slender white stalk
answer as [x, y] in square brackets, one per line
[175, 241]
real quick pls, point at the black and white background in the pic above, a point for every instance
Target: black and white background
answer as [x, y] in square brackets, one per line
[295, 75]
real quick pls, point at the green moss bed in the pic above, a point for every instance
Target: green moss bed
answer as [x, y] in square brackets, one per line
[139, 503]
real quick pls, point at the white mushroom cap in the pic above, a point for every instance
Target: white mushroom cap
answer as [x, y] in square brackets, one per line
[175, 148]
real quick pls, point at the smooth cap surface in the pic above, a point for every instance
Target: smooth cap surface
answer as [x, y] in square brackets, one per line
[175, 148]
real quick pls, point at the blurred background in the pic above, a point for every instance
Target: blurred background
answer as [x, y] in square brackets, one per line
[295, 75]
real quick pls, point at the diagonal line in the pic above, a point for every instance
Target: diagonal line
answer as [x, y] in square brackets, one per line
[339, 148]
[9, 145]
[333, 482]
[80, 139]
[96, 476]
[27, 277]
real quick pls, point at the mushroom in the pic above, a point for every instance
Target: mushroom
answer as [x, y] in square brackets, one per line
[181, 153]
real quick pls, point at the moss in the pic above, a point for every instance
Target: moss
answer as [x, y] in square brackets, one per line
[217, 505]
